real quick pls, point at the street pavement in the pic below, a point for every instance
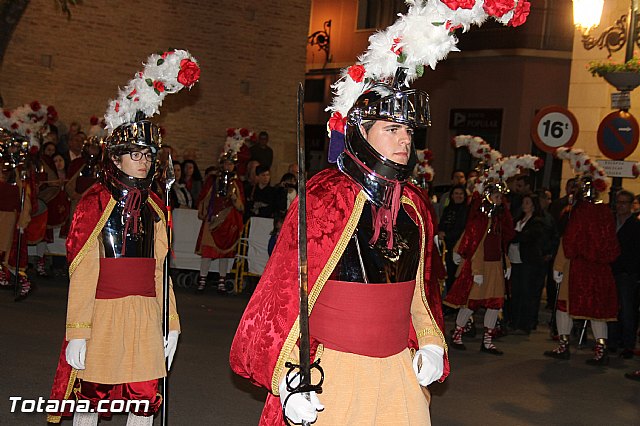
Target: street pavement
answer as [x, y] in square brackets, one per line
[520, 388]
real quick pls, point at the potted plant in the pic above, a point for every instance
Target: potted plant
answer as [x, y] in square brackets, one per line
[623, 76]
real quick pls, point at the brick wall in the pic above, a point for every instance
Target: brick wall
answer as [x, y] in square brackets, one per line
[252, 56]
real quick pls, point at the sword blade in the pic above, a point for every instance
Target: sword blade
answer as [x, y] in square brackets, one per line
[305, 369]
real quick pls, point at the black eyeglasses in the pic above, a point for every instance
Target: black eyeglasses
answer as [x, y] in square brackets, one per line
[137, 155]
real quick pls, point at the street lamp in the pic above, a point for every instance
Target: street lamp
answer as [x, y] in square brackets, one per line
[586, 15]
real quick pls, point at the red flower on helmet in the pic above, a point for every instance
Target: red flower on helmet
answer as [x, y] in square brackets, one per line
[189, 73]
[337, 122]
[35, 106]
[600, 185]
[497, 8]
[52, 115]
[244, 132]
[14, 126]
[538, 164]
[356, 72]
[459, 4]
[158, 86]
[231, 132]
[6, 113]
[117, 107]
[167, 53]
[394, 47]
[520, 13]
[93, 120]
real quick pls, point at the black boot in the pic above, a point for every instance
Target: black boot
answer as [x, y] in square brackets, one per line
[487, 342]
[470, 328]
[601, 354]
[562, 351]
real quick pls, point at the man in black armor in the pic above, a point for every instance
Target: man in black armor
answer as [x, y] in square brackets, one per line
[369, 236]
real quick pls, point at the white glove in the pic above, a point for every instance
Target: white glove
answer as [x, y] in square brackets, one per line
[428, 364]
[76, 353]
[507, 273]
[298, 408]
[557, 276]
[457, 259]
[170, 345]
[478, 279]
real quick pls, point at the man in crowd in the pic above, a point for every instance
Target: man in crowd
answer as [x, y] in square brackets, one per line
[261, 197]
[626, 268]
[261, 151]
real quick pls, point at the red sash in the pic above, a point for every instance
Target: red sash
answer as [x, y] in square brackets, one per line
[365, 319]
[126, 276]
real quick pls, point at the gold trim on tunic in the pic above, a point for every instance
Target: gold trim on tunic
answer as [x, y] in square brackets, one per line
[293, 336]
[79, 325]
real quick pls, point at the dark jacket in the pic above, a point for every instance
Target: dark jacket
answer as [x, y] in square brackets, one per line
[532, 240]
[629, 239]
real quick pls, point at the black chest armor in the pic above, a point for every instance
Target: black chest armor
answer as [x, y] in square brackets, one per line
[365, 263]
[139, 240]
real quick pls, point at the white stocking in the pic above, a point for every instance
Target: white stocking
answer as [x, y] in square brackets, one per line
[134, 420]
[41, 248]
[223, 265]
[205, 263]
[564, 323]
[85, 419]
[599, 329]
[463, 316]
[491, 318]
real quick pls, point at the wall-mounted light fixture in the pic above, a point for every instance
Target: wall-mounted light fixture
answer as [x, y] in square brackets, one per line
[322, 39]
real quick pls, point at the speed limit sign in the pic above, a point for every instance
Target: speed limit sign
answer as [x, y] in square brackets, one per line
[553, 127]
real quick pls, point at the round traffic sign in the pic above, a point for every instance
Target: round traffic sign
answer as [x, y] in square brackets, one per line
[554, 126]
[618, 135]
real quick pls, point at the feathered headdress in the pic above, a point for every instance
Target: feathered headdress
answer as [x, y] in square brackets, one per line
[97, 128]
[30, 121]
[497, 168]
[582, 164]
[422, 37]
[164, 73]
[506, 168]
[236, 138]
[478, 148]
[423, 168]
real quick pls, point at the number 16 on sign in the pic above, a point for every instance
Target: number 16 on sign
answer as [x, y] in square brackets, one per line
[554, 127]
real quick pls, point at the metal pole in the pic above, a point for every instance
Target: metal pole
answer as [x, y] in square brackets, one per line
[632, 35]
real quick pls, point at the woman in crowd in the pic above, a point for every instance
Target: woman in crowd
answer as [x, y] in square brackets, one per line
[527, 256]
[180, 196]
[192, 178]
[452, 223]
[49, 149]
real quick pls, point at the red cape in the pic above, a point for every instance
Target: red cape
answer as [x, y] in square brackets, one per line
[271, 315]
[591, 244]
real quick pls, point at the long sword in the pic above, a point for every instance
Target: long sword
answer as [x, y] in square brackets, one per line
[23, 192]
[305, 350]
[170, 178]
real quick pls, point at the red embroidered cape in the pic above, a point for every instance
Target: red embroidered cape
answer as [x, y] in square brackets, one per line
[591, 245]
[474, 231]
[227, 234]
[272, 312]
[86, 219]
